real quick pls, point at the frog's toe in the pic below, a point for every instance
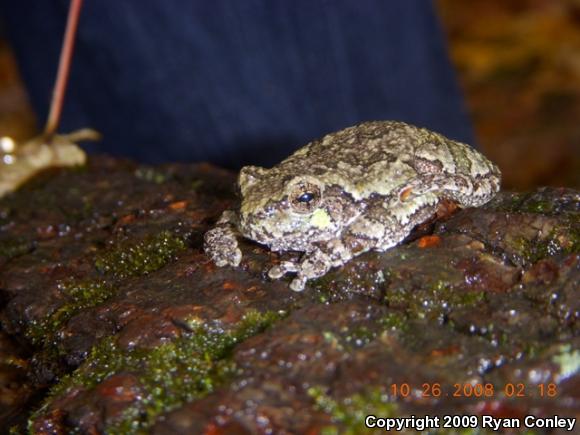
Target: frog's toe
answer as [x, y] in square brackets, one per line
[276, 272]
[298, 283]
[232, 257]
[282, 269]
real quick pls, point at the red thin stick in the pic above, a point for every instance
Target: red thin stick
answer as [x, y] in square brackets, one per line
[63, 69]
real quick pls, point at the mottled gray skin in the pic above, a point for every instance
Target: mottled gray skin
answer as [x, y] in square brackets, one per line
[358, 189]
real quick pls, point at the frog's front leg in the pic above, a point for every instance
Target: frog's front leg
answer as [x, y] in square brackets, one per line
[313, 264]
[221, 243]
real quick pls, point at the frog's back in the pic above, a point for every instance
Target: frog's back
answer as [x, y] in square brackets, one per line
[373, 142]
[364, 143]
[378, 156]
[362, 160]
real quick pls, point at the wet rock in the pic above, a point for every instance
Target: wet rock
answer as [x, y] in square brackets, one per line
[16, 391]
[125, 326]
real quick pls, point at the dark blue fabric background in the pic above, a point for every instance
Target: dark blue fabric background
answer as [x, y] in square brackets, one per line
[237, 81]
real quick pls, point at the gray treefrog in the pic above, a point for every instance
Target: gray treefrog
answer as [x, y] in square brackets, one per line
[359, 189]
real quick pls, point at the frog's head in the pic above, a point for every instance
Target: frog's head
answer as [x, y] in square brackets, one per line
[287, 212]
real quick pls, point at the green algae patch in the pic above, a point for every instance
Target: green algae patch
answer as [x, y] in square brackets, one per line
[569, 361]
[168, 376]
[13, 248]
[151, 175]
[432, 301]
[146, 256]
[81, 295]
[394, 321]
[360, 336]
[348, 415]
[125, 260]
[339, 284]
[350, 338]
[356, 336]
[526, 203]
[545, 201]
[563, 239]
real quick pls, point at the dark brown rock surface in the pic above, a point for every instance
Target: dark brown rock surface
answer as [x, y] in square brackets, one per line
[124, 326]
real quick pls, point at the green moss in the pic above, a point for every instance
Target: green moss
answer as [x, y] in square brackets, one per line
[531, 202]
[468, 298]
[394, 320]
[563, 239]
[569, 361]
[170, 375]
[355, 336]
[510, 202]
[573, 246]
[535, 250]
[139, 258]
[152, 175]
[120, 262]
[323, 289]
[196, 184]
[81, 295]
[332, 339]
[339, 284]
[348, 415]
[531, 349]
[15, 247]
[528, 203]
[537, 206]
[551, 202]
[360, 336]
[433, 301]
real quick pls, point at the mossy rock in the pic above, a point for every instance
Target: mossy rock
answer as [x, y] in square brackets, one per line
[123, 325]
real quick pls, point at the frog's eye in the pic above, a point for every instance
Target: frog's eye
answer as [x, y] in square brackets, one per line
[304, 197]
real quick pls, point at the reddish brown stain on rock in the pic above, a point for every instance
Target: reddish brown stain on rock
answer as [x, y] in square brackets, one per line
[429, 241]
